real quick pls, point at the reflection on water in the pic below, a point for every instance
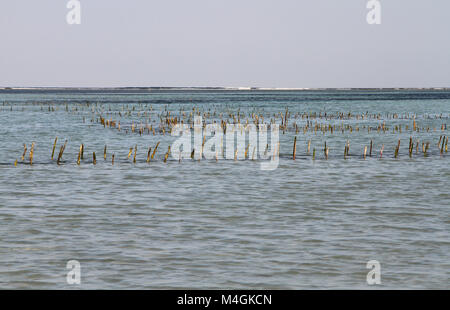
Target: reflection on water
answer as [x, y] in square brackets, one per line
[226, 224]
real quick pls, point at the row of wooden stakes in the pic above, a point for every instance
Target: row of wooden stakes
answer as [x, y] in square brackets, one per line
[150, 155]
[165, 126]
[368, 150]
[442, 146]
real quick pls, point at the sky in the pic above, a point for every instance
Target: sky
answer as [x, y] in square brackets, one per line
[232, 43]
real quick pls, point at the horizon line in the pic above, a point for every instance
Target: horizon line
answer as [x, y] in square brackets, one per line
[213, 88]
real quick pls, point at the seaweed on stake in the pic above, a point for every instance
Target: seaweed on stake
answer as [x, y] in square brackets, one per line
[61, 151]
[148, 154]
[154, 151]
[79, 155]
[31, 153]
[167, 155]
[426, 149]
[54, 146]
[82, 151]
[397, 149]
[24, 152]
[294, 151]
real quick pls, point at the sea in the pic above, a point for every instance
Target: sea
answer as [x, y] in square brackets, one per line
[321, 221]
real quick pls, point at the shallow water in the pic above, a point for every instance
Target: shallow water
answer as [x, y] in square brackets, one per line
[227, 224]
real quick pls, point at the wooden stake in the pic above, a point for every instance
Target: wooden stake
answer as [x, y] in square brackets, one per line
[54, 146]
[148, 154]
[31, 153]
[154, 152]
[397, 149]
[411, 146]
[167, 154]
[203, 145]
[24, 152]
[79, 155]
[295, 147]
[130, 152]
[61, 151]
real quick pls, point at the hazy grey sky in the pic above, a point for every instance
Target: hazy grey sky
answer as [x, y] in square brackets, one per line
[266, 43]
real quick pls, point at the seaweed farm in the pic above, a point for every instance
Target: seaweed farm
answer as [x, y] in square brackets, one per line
[90, 175]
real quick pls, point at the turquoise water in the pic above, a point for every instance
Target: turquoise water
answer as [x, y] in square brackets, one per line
[311, 223]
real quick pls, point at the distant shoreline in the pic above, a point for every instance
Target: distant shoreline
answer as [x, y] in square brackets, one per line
[221, 89]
